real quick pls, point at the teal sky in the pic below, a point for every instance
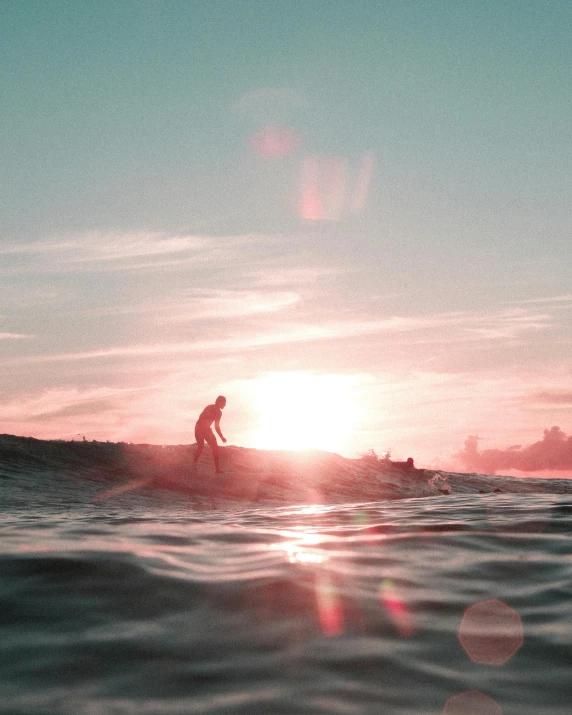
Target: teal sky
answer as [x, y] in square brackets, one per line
[116, 111]
[128, 126]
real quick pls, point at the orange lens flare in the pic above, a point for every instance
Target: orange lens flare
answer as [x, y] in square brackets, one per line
[490, 632]
[397, 609]
[273, 142]
[323, 188]
[328, 190]
[310, 203]
[359, 199]
[471, 702]
[330, 613]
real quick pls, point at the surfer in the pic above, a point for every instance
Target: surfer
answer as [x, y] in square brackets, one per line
[204, 433]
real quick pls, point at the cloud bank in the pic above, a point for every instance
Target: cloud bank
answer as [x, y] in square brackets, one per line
[14, 336]
[552, 452]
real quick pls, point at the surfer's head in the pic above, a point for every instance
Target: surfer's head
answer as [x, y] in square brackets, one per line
[220, 401]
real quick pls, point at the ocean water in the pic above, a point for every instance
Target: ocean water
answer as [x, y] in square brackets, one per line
[161, 600]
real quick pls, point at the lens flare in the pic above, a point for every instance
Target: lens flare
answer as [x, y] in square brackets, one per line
[471, 702]
[490, 632]
[329, 607]
[323, 188]
[359, 199]
[274, 142]
[331, 188]
[396, 609]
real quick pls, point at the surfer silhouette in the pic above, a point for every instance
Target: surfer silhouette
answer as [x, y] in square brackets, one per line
[204, 433]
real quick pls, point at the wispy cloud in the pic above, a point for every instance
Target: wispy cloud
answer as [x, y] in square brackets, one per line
[230, 304]
[465, 326]
[13, 295]
[275, 275]
[507, 324]
[57, 402]
[555, 397]
[567, 298]
[14, 336]
[294, 334]
[118, 252]
[105, 247]
[200, 304]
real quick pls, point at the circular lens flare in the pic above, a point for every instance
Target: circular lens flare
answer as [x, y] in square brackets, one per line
[471, 702]
[490, 632]
[273, 142]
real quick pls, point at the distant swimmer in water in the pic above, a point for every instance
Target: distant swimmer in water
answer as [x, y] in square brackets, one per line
[204, 433]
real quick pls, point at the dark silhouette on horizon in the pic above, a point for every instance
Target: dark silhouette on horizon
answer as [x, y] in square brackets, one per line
[553, 452]
[204, 433]
[405, 466]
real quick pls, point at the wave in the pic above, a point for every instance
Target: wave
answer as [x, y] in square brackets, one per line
[397, 607]
[250, 475]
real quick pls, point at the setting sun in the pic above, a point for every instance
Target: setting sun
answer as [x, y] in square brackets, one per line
[299, 410]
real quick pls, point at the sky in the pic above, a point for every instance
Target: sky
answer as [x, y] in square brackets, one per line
[351, 218]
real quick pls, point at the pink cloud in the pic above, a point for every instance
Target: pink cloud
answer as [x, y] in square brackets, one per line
[58, 401]
[14, 336]
[553, 397]
[121, 251]
[550, 299]
[552, 452]
[465, 326]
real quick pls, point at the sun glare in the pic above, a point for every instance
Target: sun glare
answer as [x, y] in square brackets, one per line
[303, 411]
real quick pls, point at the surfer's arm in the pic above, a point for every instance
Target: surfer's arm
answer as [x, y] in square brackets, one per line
[217, 428]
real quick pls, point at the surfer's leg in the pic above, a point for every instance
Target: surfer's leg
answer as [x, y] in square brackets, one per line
[211, 440]
[200, 445]
[216, 462]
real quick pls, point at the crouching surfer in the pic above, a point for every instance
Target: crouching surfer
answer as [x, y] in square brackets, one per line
[204, 433]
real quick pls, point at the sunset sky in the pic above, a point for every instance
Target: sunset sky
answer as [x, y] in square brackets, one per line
[352, 218]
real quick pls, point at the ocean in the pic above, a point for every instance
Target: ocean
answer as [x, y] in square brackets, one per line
[294, 584]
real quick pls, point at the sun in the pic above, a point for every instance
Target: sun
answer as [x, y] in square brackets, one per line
[301, 410]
